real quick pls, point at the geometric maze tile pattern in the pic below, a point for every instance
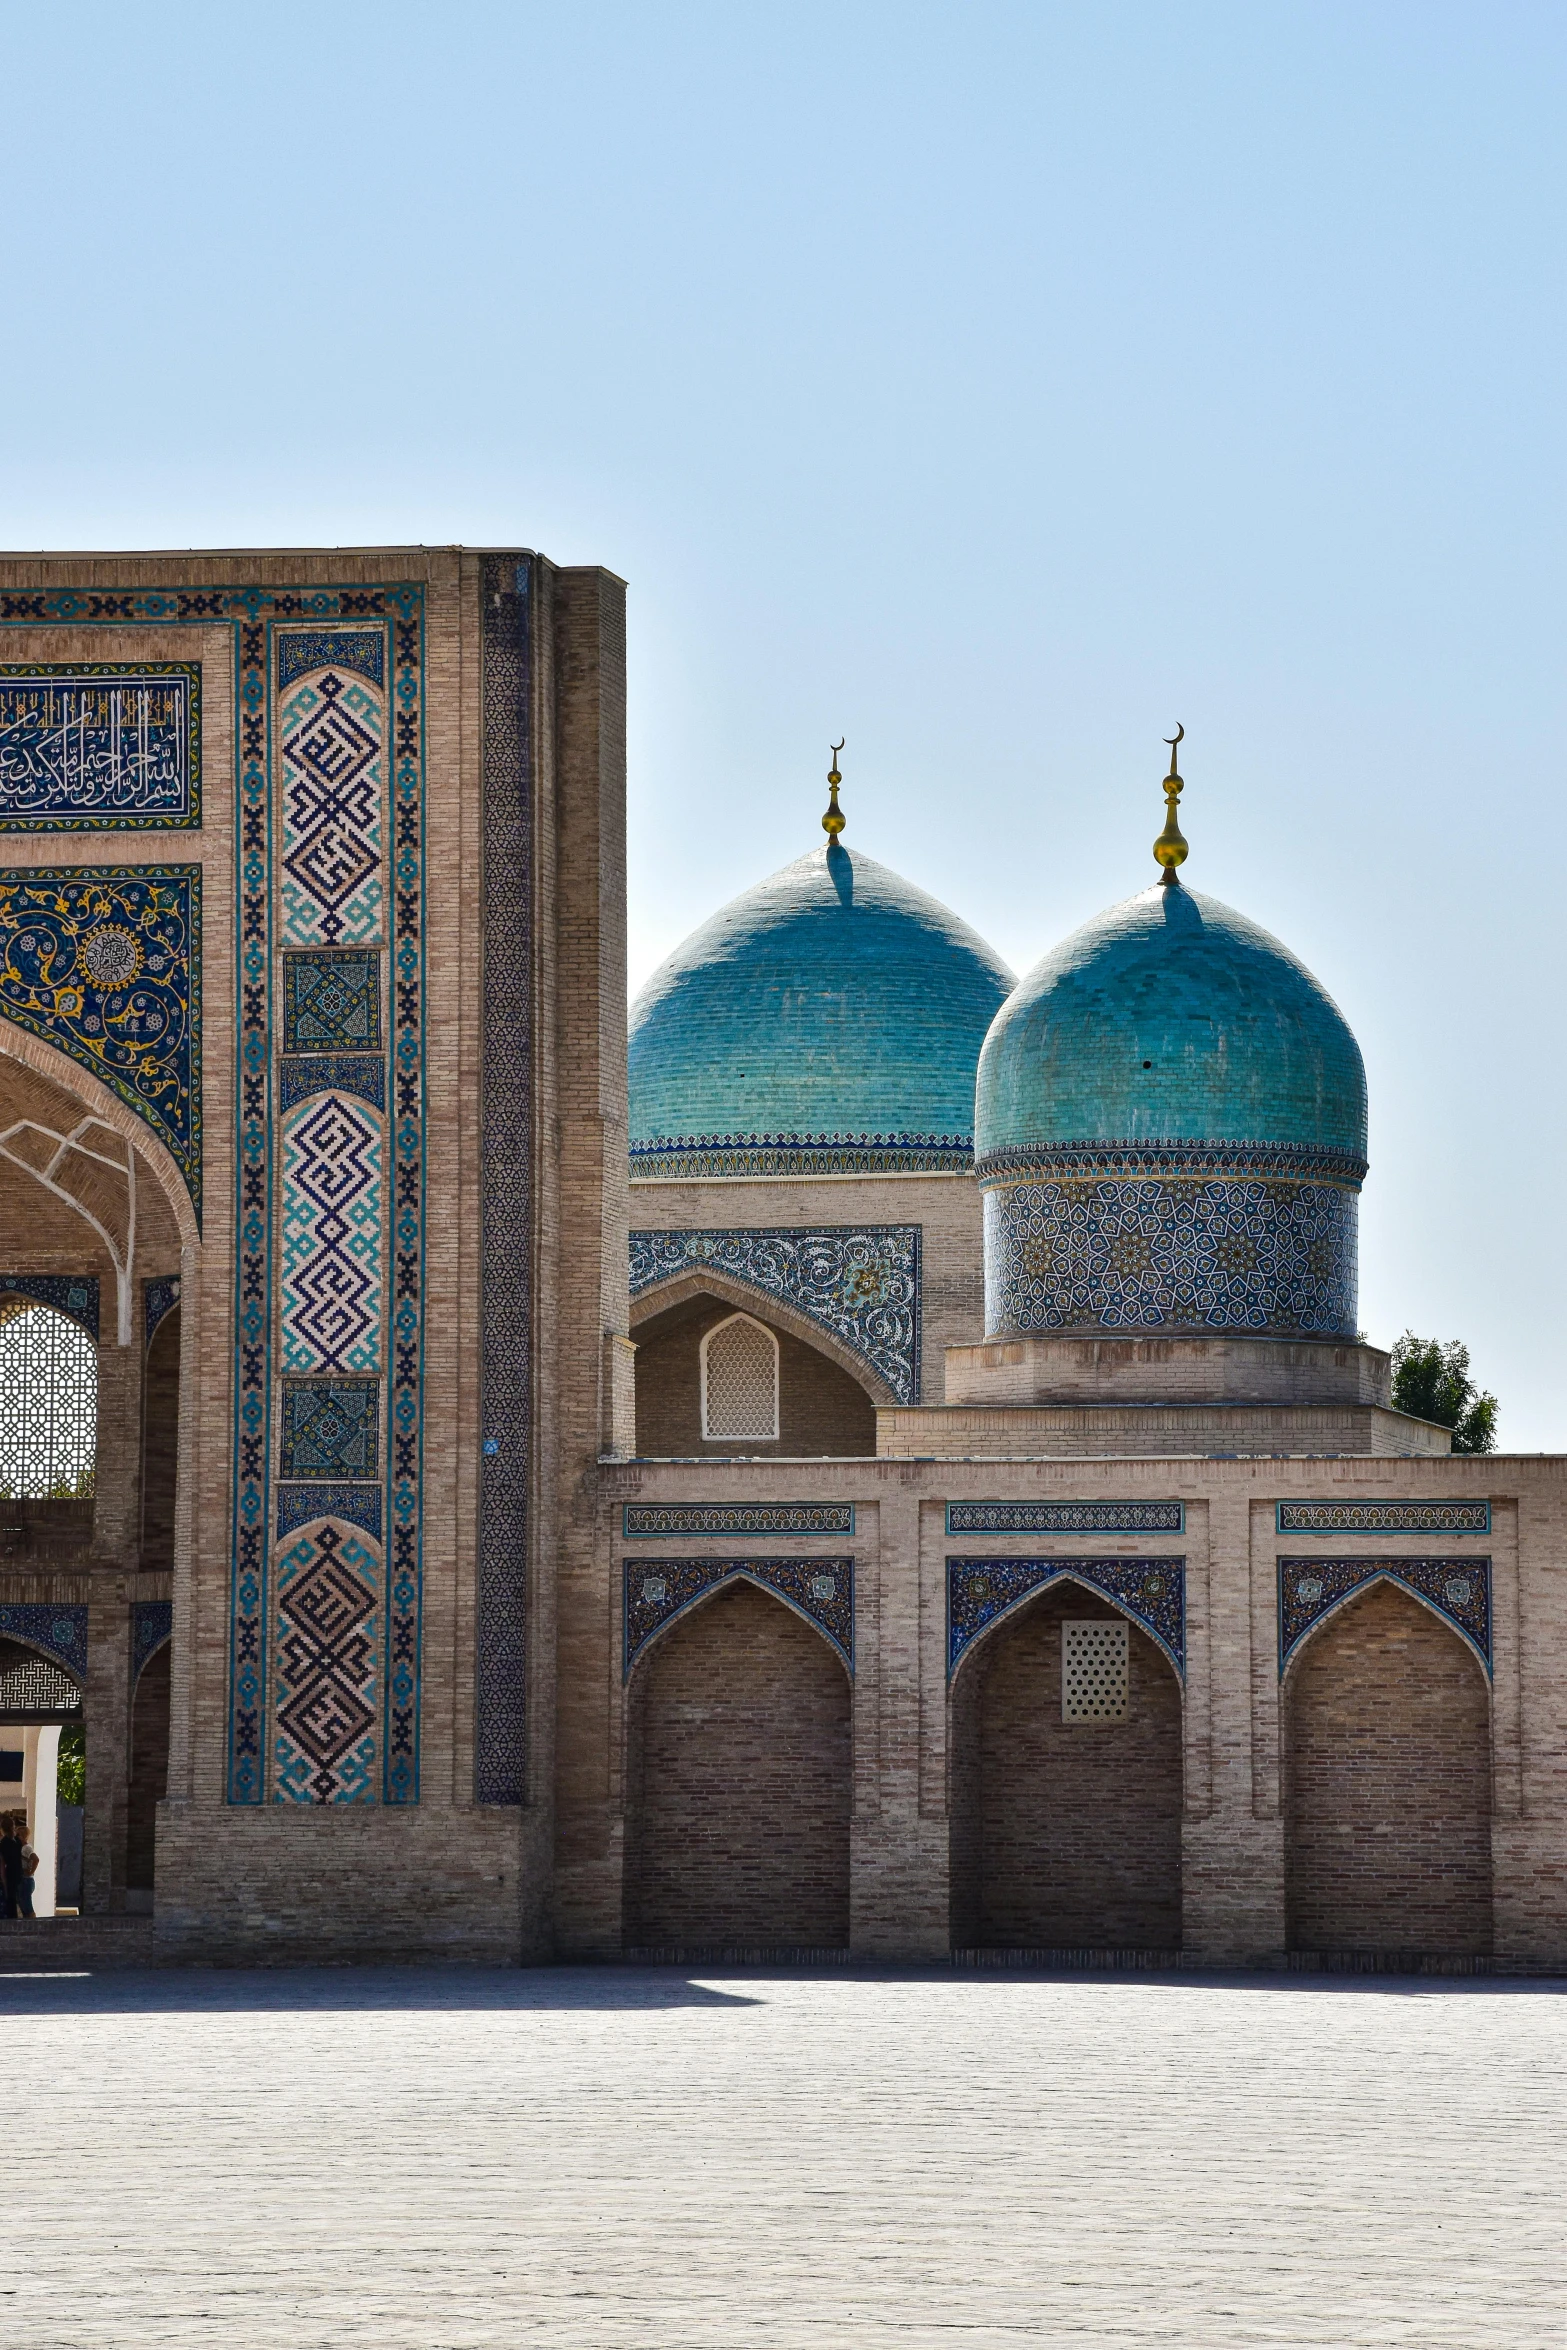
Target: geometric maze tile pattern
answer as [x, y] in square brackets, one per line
[328, 1600]
[332, 728]
[1457, 1589]
[1152, 1591]
[861, 1283]
[108, 746]
[333, 1237]
[1237, 1253]
[659, 1590]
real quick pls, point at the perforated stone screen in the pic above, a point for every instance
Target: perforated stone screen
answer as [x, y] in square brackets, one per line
[740, 1380]
[48, 1405]
[1094, 1671]
[36, 1685]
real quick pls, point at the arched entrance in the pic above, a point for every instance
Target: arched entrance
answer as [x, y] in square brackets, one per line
[1066, 1783]
[39, 1702]
[1388, 1784]
[738, 1781]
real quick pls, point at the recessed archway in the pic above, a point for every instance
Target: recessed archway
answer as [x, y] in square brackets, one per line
[1066, 1811]
[823, 1411]
[738, 1775]
[1387, 1783]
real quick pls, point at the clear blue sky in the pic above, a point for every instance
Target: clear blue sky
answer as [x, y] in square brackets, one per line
[991, 385]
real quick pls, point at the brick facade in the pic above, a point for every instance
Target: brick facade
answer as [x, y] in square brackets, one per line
[738, 1781]
[1387, 1763]
[1064, 1834]
[821, 1410]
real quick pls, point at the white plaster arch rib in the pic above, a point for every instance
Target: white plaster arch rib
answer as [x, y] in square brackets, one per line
[707, 1281]
[99, 1102]
[52, 1159]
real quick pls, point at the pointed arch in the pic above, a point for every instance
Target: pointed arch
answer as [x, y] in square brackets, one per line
[739, 1374]
[711, 1281]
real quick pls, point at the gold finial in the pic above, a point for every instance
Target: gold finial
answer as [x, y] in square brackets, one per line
[1170, 847]
[834, 820]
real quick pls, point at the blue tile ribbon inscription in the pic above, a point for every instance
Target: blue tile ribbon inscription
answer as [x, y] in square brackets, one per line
[1457, 1589]
[1384, 1517]
[1151, 1591]
[644, 1521]
[108, 746]
[1066, 1517]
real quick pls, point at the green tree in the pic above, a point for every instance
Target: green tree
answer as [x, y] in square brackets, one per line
[71, 1775]
[1432, 1381]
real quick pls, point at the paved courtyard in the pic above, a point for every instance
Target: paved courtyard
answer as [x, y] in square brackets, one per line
[605, 2157]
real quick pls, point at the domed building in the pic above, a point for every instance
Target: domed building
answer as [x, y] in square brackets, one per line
[805, 1227]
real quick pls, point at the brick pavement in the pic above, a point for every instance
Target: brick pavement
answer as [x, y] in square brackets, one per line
[617, 2157]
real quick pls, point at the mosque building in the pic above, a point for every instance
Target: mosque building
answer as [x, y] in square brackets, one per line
[870, 1456]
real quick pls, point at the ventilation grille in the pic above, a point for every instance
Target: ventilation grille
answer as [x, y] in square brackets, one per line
[1094, 1671]
[37, 1686]
[48, 1405]
[740, 1384]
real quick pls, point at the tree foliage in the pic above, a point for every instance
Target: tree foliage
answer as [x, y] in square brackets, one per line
[1432, 1381]
[71, 1775]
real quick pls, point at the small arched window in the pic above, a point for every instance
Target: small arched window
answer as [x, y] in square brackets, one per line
[740, 1380]
[48, 1405]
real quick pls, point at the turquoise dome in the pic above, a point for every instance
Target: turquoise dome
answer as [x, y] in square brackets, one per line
[1170, 1018]
[827, 1021]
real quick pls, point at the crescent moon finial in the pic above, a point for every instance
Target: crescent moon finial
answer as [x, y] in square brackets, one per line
[1170, 847]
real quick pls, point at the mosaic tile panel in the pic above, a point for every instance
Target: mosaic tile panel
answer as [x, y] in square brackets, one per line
[691, 1158]
[321, 771]
[1241, 1254]
[302, 1074]
[356, 1505]
[861, 1283]
[333, 728]
[1384, 1517]
[105, 746]
[328, 1665]
[332, 1000]
[73, 1294]
[506, 1190]
[158, 1300]
[645, 1521]
[152, 1623]
[301, 650]
[1459, 1589]
[659, 1590]
[104, 963]
[331, 1429]
[1066, 1517]
[1151, 1591]
[333, 1238]
[60, 1631]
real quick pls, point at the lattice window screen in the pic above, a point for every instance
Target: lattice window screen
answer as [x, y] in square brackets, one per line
[1094, 1671]
[37, 1685]
[48, 1406]
[740, 1380]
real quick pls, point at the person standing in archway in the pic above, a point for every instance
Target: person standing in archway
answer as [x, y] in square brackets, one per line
[10, 1866]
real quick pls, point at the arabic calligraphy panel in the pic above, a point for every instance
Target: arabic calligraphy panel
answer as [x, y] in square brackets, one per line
[104, 746]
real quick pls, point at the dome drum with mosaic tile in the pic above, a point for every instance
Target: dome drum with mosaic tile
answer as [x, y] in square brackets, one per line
[1171, 1131]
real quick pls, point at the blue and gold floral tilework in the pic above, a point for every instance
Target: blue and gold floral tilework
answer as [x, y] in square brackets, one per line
[1457, 1589]
[1152, 1591]
[658, 1590]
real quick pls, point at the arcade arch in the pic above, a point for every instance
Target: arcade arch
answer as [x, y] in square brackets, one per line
[738, 1781]
[824, 1408]
[1387, 1770]
[1066, 1833]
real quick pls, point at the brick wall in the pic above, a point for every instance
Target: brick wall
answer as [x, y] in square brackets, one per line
[1387, 1760]
[820, 1408]
[1064, 1833]
[160, 1444]
[738, 1781]
[149, 1768]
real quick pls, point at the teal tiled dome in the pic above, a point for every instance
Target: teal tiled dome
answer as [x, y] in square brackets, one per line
[1170, 1017]
[1171, 1132]
[827, 1021]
